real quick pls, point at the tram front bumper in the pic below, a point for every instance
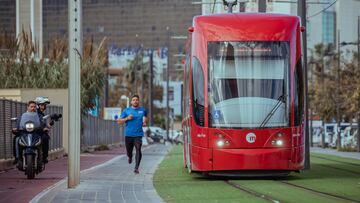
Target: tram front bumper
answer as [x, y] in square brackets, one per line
[258, 159]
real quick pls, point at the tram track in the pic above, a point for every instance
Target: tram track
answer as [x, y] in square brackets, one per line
[325, 194]
[343, 162]
[337, 168]
[252, 192]
[298, 187]
[340, 169]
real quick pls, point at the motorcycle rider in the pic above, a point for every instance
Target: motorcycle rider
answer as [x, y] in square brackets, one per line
[31, 108]
[41, 103]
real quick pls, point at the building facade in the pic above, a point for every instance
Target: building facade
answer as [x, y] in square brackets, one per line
[140, 23]
[175, 98]
[7, 17]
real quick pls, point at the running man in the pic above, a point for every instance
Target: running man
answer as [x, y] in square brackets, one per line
[134, 118]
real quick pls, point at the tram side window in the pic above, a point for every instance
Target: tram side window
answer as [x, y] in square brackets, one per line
[198, 92]
[298, 94]
[186, 88]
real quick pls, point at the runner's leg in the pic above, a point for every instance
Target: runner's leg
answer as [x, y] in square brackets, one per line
[129, 143]
[138, 144]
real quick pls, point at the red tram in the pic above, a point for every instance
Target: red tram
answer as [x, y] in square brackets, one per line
[243, 95]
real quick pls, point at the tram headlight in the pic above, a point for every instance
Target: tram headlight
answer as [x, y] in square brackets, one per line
[278, 143]
[220, 143]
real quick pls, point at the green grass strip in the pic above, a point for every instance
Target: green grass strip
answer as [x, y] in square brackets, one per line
[282, 192]
[329, 174]
[174, 184]
[331, 177]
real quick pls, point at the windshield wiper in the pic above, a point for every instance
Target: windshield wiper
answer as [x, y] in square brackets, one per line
[272, 112]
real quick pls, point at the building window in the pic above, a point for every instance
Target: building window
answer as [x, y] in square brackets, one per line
[328, 22]
[171, 93]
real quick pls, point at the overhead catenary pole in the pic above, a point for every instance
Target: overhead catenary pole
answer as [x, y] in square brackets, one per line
[242, 7]
[75, 51]
[167, 85]
[302, 13]
[262, 6]
[358, 69]
[230, 4]
[338, 116]
[151, 118]
[142, 76]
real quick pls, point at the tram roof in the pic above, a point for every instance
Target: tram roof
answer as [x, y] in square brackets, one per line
[246, 26]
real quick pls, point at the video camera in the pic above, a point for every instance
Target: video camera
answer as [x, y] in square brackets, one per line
[55, 116]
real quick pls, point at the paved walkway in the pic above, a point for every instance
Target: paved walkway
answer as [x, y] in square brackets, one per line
[113, 181]
[354, 155]
[14, 187]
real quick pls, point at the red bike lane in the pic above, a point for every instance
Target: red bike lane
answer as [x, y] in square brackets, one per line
[15, 187]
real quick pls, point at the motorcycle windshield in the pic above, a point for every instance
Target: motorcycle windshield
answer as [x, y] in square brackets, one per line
[30, 116]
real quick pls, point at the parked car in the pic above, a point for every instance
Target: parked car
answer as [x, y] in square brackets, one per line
[157, 134]
[175, 136]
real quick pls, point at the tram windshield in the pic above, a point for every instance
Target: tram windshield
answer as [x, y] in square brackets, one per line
[248, 84]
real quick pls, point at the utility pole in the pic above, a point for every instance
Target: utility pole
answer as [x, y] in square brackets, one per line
[230, 4]
[242, 7]
[75, 52]
[358, 69]
[136, 67]
[338, 117]
[323, 89]
[142, 76]
[302, 13]
[262, 6]
[107, 87]
[151, 88]
[167, 85]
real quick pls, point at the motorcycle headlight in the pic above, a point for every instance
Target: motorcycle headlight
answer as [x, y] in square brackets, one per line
[29, 127]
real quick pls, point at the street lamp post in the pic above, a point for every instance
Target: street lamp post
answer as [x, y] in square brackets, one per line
[311, 62]
[338, 117]
[230, 4]
[151, 94]
[302, 13]
[358, 59]
[75, 51]
[127, 100]
[167, 84]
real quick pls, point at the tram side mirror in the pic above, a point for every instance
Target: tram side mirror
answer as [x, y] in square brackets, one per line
[302, 29]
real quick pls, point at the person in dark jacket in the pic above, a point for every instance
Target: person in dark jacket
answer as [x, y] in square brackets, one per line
[41, 103]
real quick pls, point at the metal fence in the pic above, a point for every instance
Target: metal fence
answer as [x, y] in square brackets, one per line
[101, 132]
[95, 130]
[10, 109]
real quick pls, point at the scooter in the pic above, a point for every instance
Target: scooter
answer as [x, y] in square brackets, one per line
[28, 142]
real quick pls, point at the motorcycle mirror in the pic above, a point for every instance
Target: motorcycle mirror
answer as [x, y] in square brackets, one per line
[46, 117]
[14, 119]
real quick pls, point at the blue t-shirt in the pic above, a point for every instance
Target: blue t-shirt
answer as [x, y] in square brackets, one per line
[133, 127]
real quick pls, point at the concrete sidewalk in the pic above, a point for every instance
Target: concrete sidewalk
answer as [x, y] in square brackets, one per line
[354, 155]
[14, 187]
[113, 181]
